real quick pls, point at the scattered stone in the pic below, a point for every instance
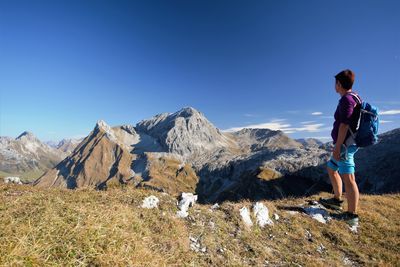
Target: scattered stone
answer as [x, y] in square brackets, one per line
[292, 212]
[215, 206]
[321, 249]
[262, 214]
[354, 228]
[196, 246]
[211, 224]
[245, 214]
[347, 261]
[271, 236]
[308, 236]
[12, 180]
[276, 217]
[187, 200]
[150, 202]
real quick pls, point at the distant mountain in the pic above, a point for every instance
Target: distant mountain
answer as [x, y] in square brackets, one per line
[100, 157]
[65, 145]
[261, 139]
[378, 166]
[68, 145]
[307, 142]
[183, 151]
[120, 155]
[26, 153]
[186, 132]
[52, 144]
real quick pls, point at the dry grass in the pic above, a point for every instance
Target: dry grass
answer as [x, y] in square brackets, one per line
[168, 174]
[48, 227]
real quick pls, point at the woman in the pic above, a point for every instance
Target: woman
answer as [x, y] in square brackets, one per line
[341, 166]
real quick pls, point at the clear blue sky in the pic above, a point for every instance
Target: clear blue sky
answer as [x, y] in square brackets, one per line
[66, 64]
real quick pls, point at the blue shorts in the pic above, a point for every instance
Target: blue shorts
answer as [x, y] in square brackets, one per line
[346, 164]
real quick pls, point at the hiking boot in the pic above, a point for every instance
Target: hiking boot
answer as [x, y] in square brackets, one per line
[350, 218]
[331, 203]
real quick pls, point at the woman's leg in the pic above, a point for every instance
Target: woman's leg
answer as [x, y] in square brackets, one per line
[336, 182]
[352, 193]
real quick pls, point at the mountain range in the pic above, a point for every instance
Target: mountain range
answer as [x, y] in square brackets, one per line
[184, 152]
[27, 156]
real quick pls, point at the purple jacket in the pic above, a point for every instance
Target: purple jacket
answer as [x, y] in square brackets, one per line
[347, 112]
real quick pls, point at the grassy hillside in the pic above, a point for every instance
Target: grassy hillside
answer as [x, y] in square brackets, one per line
[47, 227]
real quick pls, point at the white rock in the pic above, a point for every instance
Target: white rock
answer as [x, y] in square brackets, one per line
[318, 213]
[308, 235]
[347, 261]
[187, 200]
[354, 228]
[211, 224]
[215, 206]
[14, 180]
[262, 214]
[150, 202]
[321, 249]
[196, 246]
[182, 213]
[276, 217]
[244, 212]
[318, 217]
[292, 212]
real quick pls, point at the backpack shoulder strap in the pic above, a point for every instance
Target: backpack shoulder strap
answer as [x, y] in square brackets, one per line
[356, 98]
[358, 102]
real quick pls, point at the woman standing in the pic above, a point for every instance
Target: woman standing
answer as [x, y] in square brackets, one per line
[341, 167]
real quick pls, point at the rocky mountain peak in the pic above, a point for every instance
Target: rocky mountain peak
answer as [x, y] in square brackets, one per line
[185, 132]
[27, 136]
[102, 125]
[187, 112]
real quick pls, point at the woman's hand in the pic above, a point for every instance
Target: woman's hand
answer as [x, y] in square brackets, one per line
[336, 153]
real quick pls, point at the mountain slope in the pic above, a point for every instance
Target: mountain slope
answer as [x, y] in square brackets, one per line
[99, 158]
[378, 166]
[186, 132]
[115, 155]
[183, 151]
[27, 154]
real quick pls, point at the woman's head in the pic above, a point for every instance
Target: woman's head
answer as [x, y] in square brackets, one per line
[344, 80]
